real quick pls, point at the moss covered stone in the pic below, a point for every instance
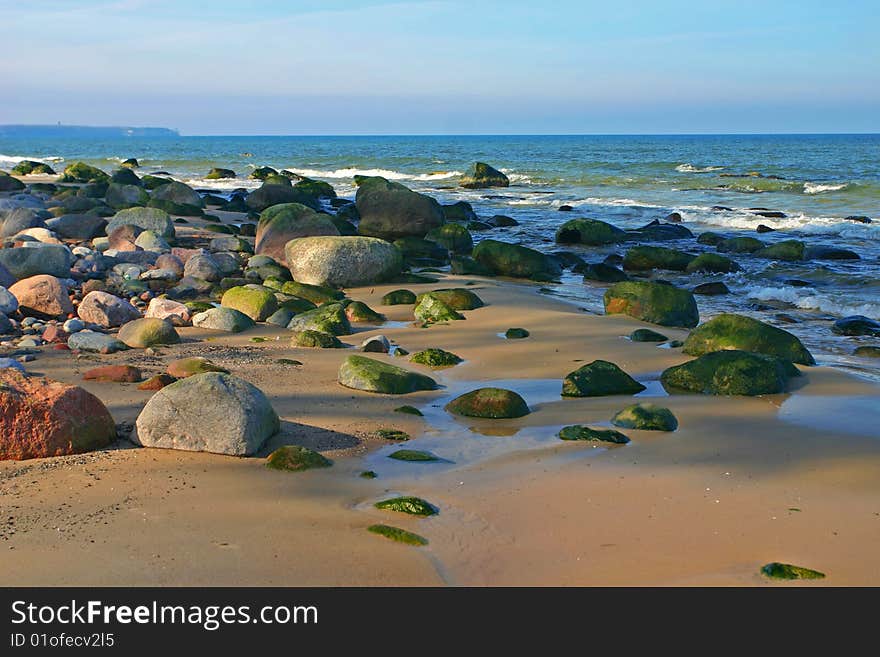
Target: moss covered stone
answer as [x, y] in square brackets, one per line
[317, 294]
[710, 238]
[414, 455]
[456, 298]
[392, 434]
[645, 258]
[657, 303]
[589, 231]
[452, 237]
[431, 310]
[218, 174]
[360, 313]
[867, 351]
[789, 251]
[315, 340]
[648, 417]
[435, 358]
[397, 534]
[712, 263]
[316, 188]
[776, 570]
[730, 331]
[148, 332]
[255, 301]
[740, 245]
[294, 458]
[481, 175]
[80, 172]
[516, 333]
[399, 298]
[415, 506]
[647, 335]
[494, 403]
[580, 432]
[598, 379]
[368, 474]
[362, 373]
[185, 367]
[325, 319]
[730, 373]
[31, 167]
[602, 272]
[503, 259]
[408, 410]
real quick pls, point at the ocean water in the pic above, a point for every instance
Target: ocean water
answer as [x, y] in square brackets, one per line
[816, 180]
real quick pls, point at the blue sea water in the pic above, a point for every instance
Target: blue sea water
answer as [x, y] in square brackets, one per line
[816, 180]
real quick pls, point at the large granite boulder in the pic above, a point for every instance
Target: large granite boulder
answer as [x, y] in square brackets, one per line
[270, 194]
[481, 175]
[24, 261]
[390, 210]
[152, 219]
[657, 303]
[288, 221]
[362, 373]
[104, 309]
[178, 193]
[343, 261]
[42, 296]
[504, 259]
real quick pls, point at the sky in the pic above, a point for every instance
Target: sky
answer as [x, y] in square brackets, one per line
[444, 67]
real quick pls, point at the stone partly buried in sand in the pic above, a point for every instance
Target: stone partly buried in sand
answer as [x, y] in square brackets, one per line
[657, 303]
[647, 417]
[776, 570]
[599, 378]
[580, 432]
[360, 313]
[295, 458]
[457, 298]
[186, 367]
[148, 332]
[431, 310]
[315, 340]
[647, 335]
[362, 373]
[729, 331]
[210, 412]
[397, 534]
[399, 298]
[415, 506]
[346, 261]
[114, 374]
[329, 318]
[493, 403]
[434, 357]
[730, 373]
[40, 417]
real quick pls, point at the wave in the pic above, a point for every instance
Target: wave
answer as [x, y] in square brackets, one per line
[222, 183]
[351, 172]
[817, 188]
[690, 168]
[12, 160]
[806, 298]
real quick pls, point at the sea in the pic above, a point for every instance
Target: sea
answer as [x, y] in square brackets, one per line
[712, 181]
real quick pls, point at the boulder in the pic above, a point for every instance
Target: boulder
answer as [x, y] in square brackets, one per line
[173, 311]
[80, 172]
[457, 298]
[740, 245]
[730, 373]
[729, 331]
[25, 261]
[77, 227]
[360, 313]
[452, 237]
[435, 358]
[480, 175]
[712, 263]
[120, 197]
[714, 288]
[580, 432]
[10, 184]
[459, 211]
[295, 458]
[255, 301]
[270, 194]
[106, 310]
[362, 373]
[217, 174]
[856, 325]
[503, 259]
[589, 231]
[645, 258]
[315, 188]
[343, 261]
[91, 341]
[494, 403]
[316, 294]
[14, 221]
[42, 296]
[8, 302]
[599, 378]
[178, 193]
[399, 298]
[152, 219]
[40, 418]
[329, 318]
[431, 309]
[315, 340]
[829, 253]
[223, 319]
[113, 374]
[390, 210]
[186, 367]
[210, 412]
[288, 221]
[657, 231]
[789, 251]
[602, 273]
[657, 303]
[647, 417]
[148, 332]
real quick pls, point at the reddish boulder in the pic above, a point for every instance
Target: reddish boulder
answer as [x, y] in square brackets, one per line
[157, 382]
[43, 296]
[107, 310]
[55, 333]
[40, 417]
[114, 373]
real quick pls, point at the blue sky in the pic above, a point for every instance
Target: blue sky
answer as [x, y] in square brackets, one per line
[482, 66]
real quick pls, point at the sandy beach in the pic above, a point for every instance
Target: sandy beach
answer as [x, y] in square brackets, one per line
[739, 484]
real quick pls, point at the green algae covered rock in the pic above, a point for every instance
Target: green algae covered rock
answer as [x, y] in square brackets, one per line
[32, 167]
[599, 378]
[580, 432]
[294, 458]
[503, 259]
[730, 373]
[452, 237]
[645, 258]
[317, 294]
[362, 373]
[360, 313]
[392, 434]
[730, 331]
[255, 301]
[740, 245]
[330, 318]
[431, 310]
[789, 251]
[315, 340]
[408, 410]
[648, 417]
[494, 403]
[414, 455]
[413, 505]
[397, 534]
[148, 332]
[399, 298]
[589, 231]
[647, 335]
[435, 358]
[776, 570]
[516, 333]
[389, 210]
[657, 303]
[457, 298]
[712, 263]
[481, 175]
[186, 367]
[80, 172]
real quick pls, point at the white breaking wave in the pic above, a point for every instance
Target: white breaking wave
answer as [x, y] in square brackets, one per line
[388, 174]
[222, 183]
[806, 298]
[817, 188]
[12, 160]
[690, 168]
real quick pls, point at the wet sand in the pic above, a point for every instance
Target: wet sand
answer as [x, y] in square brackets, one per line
[734, 488]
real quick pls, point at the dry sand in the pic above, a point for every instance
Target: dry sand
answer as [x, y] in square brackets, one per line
[734, 488]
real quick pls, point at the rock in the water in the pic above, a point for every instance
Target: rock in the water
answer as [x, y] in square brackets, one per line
[80, 172]
[288, 221]
[362, 373]
[295, 458]
[43, 296]
[99, 343]
[343, 261]
[580, 432]
[186, 367]
[657, 303]
[25, 261]
[211, 412]
[494, 403]
[106, 310]
[712, 263]
[40, 418]
[729, 331]
[599, 378]
[730, 373]
[740, 245]
[223, 319]
[113, 374]
[867, 351]
[271, 193]
[645, 258]
[120, 197]
[856, 325]
[789, 251]
[602, 272]
[482, 175]
[255, 301]
[715, 288]
[152, 219]
[503, 259]
[589, 231]
[148, 332]
[390, 210]
[647, 417]
[329, 318]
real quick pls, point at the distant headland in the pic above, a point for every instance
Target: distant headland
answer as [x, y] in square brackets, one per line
[59, 130]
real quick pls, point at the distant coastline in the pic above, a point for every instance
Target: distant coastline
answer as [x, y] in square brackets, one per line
[59, 130]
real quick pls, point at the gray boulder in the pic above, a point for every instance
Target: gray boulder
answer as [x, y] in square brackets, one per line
[152, 219]
[343, 261]
[223, 319]
[25, 261]
[390, 210]
[288, 221]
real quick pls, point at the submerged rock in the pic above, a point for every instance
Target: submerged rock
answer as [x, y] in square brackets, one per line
[91, 341]
[288, 221]
[657, 303]
[715, 288]
[712, 263]
[495, 403]
[599, 378]
[789, 250]
[740, 245]
[730, 373]
[362, 373]
[856, 325]
[645, 258]
[730, 331]
[580, 432]
[647, 417]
